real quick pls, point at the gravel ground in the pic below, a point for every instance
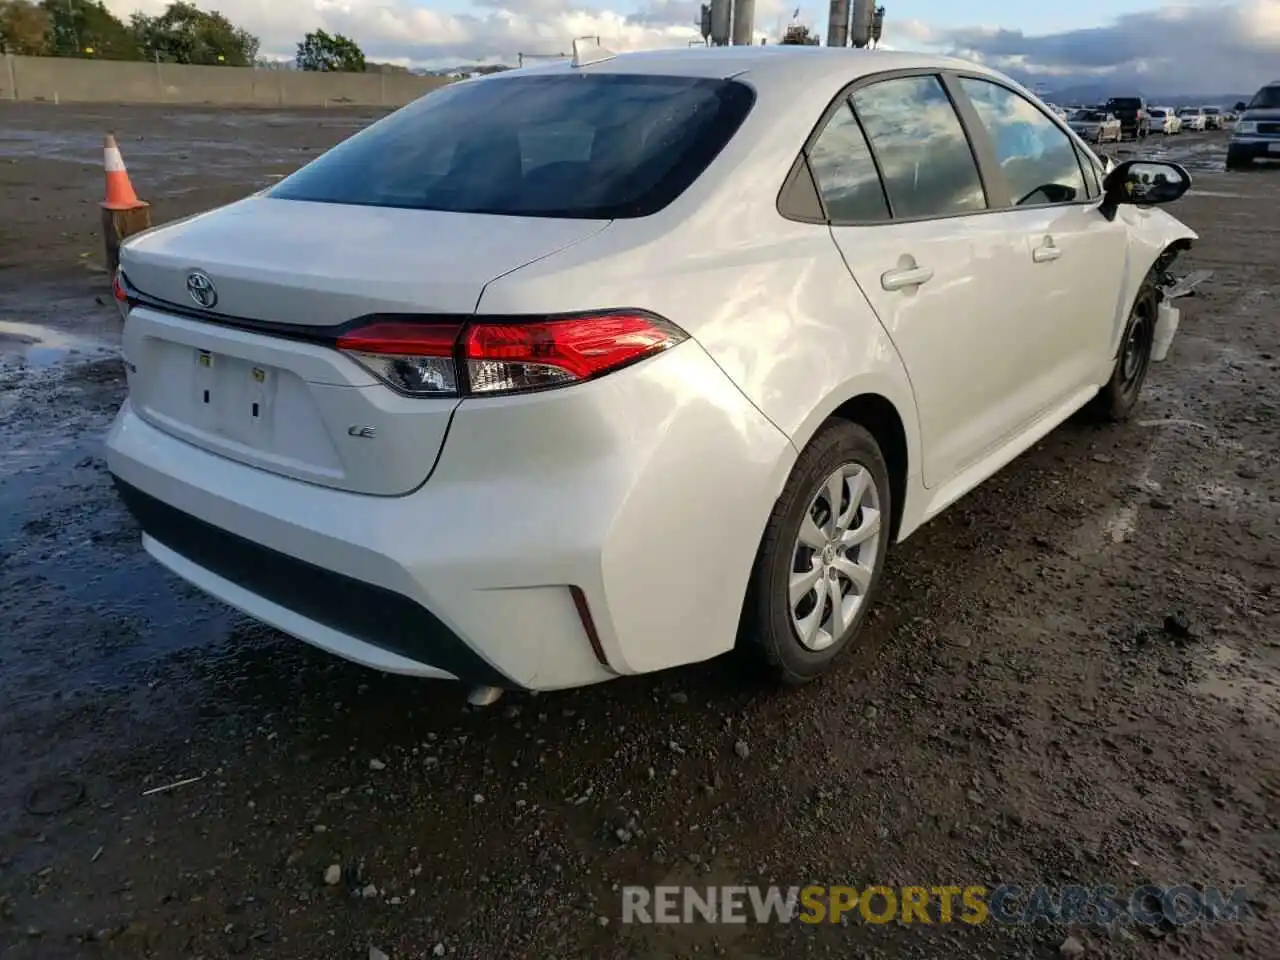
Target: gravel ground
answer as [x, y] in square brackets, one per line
[1072, 677]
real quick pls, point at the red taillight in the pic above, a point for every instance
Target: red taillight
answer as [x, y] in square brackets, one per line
[492, 357]
[404, 339]
[120, 291]
[504, 357]
[413, 358]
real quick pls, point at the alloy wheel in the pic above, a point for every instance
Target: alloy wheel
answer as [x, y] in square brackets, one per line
[834, 557]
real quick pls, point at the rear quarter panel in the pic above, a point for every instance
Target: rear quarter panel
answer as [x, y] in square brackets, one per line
[770, 300]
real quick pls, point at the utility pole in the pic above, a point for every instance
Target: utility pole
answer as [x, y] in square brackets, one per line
[721, 18]
[837, 24]
[877, 26]
[860, 24]
[744, 19]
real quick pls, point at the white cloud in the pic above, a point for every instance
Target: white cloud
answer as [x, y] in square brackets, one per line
[407, 32]
[1229, 46]
[1219, 46]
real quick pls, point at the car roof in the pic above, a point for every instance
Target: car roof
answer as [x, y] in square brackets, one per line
[792, 63]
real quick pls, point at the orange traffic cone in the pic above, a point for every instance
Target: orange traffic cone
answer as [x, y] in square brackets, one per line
[123, 214]
[120, 195]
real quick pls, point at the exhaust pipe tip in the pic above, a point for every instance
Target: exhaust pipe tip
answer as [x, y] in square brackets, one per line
[484, 696]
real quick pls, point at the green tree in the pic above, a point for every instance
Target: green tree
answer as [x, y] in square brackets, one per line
[24, 28]
[320, 51]
[186, 34]
[86, 28]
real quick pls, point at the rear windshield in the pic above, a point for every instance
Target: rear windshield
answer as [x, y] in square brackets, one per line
[1268, 98]
[591, 146]
[1157, 113]
[1124, 103]
[1189, 112]
[1090, 115]
[1212, 111]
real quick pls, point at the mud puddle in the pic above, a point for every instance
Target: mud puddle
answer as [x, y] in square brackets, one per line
[1197, 152]
[39, 347]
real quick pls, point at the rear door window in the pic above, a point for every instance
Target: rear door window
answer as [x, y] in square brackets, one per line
[921, 147]
[596, 146]
[845, 172]
[1037, 157]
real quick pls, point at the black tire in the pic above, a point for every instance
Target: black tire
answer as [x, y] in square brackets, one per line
[768, 634]
[1238, 162]
[1116, 401]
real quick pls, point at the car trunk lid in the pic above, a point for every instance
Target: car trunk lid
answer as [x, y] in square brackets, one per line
[254, 377]
[322, 264]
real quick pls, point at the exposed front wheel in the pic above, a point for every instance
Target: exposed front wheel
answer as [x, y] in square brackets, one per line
[1116, 400]
[821, 556]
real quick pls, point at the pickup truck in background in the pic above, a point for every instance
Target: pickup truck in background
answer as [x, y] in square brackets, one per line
[1132, 114]
[1256, 135]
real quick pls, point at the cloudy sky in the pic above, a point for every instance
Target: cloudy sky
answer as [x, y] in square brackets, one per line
[1185, 46]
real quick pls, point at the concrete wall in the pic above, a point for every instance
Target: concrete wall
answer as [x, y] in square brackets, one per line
[113, 81]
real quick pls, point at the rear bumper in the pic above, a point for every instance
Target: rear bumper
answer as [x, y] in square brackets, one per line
[381, 628]
[647, 491]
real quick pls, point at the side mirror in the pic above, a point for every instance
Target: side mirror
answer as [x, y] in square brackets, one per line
[1240, 106]
[1143, 183]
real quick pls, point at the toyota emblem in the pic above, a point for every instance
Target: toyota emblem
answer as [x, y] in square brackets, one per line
[202, 290]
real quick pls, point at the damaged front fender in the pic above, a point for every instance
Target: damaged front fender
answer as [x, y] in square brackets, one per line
[1155, 239]
[1154, 235]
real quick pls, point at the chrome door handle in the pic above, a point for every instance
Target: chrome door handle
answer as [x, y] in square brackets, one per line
[1046, 253]
[904, 278]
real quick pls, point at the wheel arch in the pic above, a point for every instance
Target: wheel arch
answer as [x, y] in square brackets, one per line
[882, 418]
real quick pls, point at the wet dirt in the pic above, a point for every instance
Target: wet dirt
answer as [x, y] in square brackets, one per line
[1073, 675]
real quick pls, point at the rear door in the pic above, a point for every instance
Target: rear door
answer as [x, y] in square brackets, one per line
[909, 215]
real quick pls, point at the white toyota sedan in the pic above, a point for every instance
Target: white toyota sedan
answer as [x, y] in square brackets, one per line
[599, 368]
[1096, 126]
[1193, 118]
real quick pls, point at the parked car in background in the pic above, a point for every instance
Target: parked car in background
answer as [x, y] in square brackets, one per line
[1192, 118]
[523, 434]
[1165, 120]
[1213, 119]
[1096, 126]
[1132, 114]
[1256, 135]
